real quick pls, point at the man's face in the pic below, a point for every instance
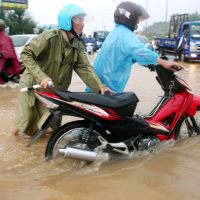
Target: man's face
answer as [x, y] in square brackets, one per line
[136, 26]
[78, 24]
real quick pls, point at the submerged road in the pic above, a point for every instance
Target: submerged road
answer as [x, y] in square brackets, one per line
[171, 174]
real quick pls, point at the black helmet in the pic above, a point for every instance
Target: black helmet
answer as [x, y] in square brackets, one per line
[127, 13]
[2, 25]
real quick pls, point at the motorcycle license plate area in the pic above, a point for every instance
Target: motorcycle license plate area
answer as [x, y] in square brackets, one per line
[43, 119]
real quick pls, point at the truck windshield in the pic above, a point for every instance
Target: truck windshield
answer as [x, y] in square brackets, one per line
[195, 31]
[102, 35]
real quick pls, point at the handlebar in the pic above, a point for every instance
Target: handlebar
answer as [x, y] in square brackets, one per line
[151, 68]
[50, 83]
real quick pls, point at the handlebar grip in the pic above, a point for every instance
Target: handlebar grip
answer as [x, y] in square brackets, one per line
[176, 67]
[30, 88]
[50, 83]
[151, 67]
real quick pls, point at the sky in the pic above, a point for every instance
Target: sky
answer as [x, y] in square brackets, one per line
[46, 11]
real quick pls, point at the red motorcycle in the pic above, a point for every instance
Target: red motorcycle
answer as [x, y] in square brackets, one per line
[110, 128]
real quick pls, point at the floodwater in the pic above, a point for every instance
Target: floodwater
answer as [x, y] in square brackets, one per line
[173, 173]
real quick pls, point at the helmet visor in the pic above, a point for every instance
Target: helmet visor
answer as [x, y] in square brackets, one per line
[143, 14]
[85, 17]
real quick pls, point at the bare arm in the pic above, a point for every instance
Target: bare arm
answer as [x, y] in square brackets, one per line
[168, 64]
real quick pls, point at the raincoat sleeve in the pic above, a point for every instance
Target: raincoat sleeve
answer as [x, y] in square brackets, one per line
[141, 54]
[87, 73]
[30, 54]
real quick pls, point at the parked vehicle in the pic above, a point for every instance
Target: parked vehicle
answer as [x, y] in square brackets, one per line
[145, 41]
[110, 128]
[191, 32]
[20, 41]
[99, 37]
[142, 38]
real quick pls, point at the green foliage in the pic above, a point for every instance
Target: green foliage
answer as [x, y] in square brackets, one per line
[2, 13]
[20, 22]
[40, 30]
[158, 35]
[194, 16]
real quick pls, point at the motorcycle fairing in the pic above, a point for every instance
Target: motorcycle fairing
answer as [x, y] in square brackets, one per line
[193, 106]
[176, 106]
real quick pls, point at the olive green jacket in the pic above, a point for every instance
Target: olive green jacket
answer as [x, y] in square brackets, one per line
[51, 55]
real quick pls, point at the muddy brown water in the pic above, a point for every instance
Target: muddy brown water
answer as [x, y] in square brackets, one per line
[173, 173]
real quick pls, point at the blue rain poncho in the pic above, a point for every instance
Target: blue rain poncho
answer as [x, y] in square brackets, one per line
[119, 52]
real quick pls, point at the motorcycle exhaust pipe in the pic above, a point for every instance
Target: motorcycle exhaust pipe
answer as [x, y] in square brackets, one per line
[82, 154]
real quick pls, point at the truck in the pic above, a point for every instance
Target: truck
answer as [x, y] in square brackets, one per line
[99, 37]
[181, 26]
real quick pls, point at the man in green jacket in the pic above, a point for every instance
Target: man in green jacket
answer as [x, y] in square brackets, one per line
[52, 56]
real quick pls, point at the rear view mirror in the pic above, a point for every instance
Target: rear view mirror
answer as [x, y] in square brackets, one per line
[179, 47]
[180, 44]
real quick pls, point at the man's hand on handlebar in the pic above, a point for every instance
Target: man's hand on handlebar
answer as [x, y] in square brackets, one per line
[44, 82]
[169, 64]
[106, 91]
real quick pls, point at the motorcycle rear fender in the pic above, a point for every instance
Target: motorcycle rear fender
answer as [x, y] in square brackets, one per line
[193, 106]
[55, 115]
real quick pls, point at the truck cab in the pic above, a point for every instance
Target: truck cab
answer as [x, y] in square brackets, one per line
[181, 26]
[191, 32]
[99, 37]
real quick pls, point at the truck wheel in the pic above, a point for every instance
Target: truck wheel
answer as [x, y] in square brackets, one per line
[182, 56]
[161, 52]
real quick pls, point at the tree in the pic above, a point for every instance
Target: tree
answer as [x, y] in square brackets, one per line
[194, 16]
[19, 22]
[2, 13]
[40, 30]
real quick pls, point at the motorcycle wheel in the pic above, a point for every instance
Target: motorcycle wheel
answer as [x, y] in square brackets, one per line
[71, 134]
[183, 131]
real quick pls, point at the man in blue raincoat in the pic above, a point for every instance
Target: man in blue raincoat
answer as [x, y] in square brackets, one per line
[90, 40]
[122, 48]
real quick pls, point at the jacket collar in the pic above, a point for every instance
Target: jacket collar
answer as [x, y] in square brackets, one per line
[66, 40]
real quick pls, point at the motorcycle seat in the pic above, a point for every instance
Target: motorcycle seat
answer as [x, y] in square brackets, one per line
[112, 101]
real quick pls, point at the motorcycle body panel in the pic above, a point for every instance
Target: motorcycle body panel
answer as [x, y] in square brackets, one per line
[165, 120]
[194, 105]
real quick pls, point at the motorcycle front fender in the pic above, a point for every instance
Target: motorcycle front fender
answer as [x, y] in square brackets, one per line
[53, 117]
[194, 105]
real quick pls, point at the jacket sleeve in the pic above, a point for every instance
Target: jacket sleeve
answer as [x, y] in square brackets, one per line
[87, 73]
[30, 54]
